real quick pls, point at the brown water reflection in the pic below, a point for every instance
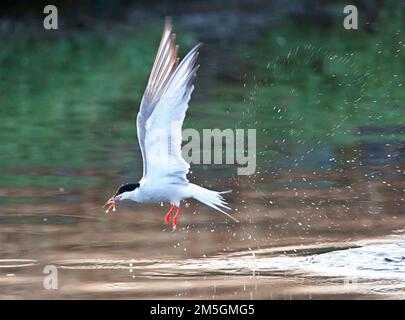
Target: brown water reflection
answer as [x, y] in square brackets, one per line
[132, 254]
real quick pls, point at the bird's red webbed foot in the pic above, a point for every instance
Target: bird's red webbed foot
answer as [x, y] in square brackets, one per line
[167, 217]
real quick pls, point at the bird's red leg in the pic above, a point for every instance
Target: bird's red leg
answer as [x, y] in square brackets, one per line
[167, 218]
[176, 216]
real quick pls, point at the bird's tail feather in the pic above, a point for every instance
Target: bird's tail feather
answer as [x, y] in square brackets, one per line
[211, 198]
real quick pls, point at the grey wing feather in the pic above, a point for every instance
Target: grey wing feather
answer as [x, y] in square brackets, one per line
[168, 117]
[163, 67]
[165, 101]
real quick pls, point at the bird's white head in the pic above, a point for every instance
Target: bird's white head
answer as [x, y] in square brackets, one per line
[125, 191]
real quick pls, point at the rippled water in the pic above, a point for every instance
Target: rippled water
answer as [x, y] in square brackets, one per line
[301, 243]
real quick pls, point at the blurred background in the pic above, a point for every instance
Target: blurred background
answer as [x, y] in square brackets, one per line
[327, 104]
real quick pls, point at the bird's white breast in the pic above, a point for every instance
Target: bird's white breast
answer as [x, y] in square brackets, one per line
[172, 193]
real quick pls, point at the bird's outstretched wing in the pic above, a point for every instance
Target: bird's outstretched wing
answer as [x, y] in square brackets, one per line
[162, 112]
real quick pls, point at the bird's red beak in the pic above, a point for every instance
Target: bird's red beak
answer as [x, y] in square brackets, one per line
[111, 203]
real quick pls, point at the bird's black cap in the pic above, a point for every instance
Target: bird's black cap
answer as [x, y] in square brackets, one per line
[126, 187]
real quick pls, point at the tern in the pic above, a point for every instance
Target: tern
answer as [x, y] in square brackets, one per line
[159, 125]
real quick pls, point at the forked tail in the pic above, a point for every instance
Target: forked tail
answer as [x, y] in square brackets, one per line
[211, 198]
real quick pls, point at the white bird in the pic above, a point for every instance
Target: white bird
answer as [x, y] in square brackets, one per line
[159, 125]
